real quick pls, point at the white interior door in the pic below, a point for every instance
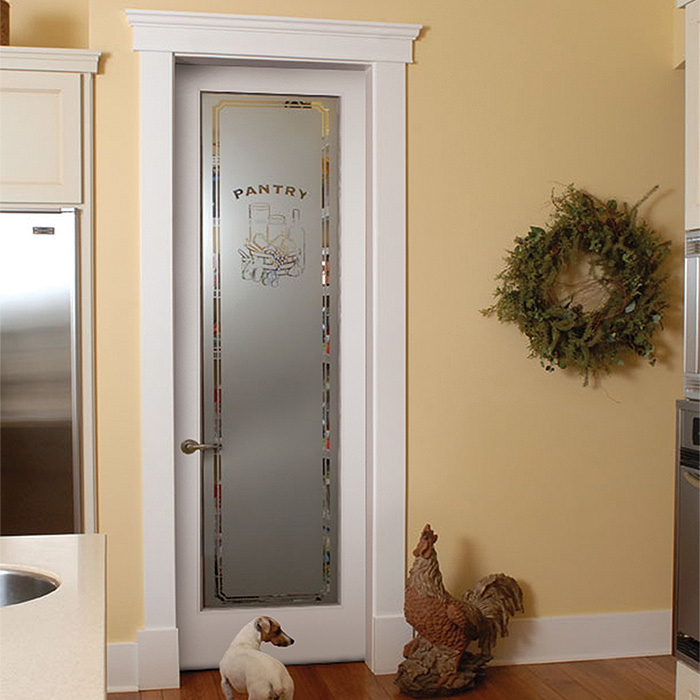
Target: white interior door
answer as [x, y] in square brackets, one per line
[327, 627]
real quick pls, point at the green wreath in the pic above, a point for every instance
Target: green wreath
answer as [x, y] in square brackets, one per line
[587, 290]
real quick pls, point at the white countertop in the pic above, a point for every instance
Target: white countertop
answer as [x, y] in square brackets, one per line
[54, 646]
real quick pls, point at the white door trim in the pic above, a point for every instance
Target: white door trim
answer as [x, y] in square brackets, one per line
[381, 50]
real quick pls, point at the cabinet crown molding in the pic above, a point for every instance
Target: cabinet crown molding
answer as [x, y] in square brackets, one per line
[43, 59]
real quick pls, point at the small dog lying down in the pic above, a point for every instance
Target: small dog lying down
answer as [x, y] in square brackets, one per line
[247, 669]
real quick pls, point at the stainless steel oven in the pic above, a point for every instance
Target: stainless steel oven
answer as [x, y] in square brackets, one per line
[686, 632]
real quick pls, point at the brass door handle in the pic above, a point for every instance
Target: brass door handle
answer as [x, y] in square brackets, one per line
[189, 447]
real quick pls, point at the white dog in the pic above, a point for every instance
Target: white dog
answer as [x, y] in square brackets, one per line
[247, 669]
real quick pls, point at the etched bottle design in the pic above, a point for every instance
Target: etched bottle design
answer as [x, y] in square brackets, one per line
[274, 248]
[252, 260]
[277, 233]
[297, 236]
[258, 222]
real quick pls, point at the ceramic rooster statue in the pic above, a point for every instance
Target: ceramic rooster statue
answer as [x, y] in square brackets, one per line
[446, 626]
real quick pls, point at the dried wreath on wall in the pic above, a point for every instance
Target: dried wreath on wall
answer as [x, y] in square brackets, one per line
[588, 289]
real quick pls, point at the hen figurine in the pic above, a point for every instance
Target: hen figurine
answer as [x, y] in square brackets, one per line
[451, 625]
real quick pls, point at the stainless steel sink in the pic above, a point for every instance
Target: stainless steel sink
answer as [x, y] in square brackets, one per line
[21, 585]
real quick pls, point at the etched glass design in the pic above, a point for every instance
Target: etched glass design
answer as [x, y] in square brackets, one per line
[269, 266]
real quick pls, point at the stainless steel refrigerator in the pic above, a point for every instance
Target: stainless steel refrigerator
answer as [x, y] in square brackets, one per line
[40, 464]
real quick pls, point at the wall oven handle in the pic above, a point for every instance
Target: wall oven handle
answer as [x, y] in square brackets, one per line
[692, 479]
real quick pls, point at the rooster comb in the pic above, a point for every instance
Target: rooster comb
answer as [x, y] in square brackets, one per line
[425, 544]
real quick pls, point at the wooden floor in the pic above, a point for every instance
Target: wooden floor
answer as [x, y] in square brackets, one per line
[649, 678]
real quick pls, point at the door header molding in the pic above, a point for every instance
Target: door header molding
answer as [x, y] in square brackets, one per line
[381, 51]
[273, 37]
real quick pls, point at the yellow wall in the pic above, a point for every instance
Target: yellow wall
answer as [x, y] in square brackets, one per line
[570, 489]
[679, 37]
[49, 23]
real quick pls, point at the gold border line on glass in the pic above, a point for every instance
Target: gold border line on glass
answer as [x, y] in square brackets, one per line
[324, 113]
[277, 104]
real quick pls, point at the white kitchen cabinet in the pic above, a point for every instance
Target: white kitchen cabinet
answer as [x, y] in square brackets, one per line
[687, 683]
[691, 341]
[692, 114]
[45, 123]
[687, 676]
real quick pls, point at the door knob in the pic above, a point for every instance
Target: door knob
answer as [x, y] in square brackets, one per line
[189, 447]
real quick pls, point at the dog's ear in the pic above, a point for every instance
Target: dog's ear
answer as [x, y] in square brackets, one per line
[262, 625]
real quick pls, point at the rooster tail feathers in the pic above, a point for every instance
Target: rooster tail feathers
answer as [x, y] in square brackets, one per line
[498, 597]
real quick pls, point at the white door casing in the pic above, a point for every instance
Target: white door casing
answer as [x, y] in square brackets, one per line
[382, 50]
[327, 632]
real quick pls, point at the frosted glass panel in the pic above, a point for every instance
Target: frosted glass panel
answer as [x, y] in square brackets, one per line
[269, 338]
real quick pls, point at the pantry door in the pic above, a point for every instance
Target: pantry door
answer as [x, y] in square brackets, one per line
[269, 288]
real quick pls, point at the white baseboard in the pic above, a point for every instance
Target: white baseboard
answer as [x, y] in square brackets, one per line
[159, 658]
[582, 637]
[152, 662]
[550, 639]
[389, 635]
[122, 667]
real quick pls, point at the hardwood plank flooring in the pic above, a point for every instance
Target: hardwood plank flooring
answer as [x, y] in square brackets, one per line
[647, 678]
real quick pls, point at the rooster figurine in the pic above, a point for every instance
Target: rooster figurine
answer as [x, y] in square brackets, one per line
[446, 626]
